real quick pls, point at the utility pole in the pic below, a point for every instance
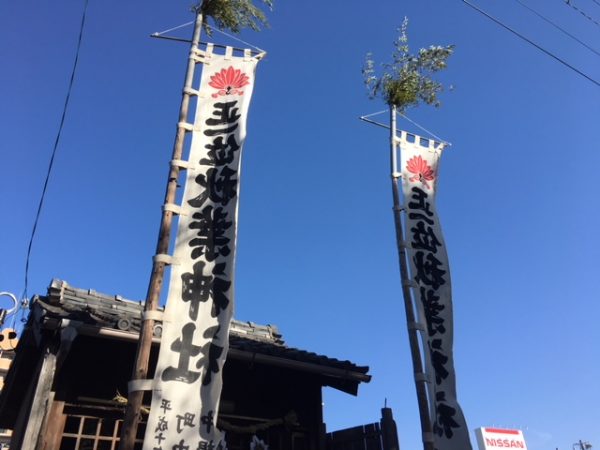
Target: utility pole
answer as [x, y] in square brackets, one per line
[140, 371]
[412, 322]
[582, 445]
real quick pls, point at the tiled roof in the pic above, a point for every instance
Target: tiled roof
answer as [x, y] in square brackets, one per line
[260, 343]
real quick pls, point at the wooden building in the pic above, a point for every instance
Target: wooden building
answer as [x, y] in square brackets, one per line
[67, 386]
[8, 343]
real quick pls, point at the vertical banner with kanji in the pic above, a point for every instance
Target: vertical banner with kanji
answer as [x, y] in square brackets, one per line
[194, 343]
[430, 281]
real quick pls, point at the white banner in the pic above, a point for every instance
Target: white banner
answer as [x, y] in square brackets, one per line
[430, 273]
[194, 343]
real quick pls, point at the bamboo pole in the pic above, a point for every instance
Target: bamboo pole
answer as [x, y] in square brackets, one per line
[140, 371]
[411, 318]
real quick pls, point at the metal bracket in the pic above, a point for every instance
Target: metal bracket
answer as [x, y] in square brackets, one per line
[172, 207]
[139, 385]
[186, 126]
[416, 326]
[166, 259]
[422, 377]
[408, 283]
[427, 436]
[190, 91]
[153, 315]
[180, 163]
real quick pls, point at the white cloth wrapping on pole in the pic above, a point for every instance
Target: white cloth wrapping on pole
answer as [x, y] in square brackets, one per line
[430, 276]
[195, 336]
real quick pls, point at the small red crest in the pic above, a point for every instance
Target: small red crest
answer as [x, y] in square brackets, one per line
[229, 81]
[422, 171]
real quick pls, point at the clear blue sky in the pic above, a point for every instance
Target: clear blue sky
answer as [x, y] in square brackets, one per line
[517, 196]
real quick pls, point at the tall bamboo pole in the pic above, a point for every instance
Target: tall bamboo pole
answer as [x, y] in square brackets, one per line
[140, 371]
[411, 318]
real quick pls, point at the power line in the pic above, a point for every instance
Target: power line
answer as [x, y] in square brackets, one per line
[57, 140]
[529, 41]
[557, 27]
[582, 12]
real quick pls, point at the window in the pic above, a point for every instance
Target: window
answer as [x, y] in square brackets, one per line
[84, 432]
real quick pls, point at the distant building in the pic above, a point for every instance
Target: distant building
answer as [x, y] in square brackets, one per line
[66, 389]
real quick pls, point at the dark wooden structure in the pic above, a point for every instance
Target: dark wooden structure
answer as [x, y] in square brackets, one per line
[67, 386]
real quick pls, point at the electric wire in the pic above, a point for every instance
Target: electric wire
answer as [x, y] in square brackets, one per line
[582, 12]
[54, 149]
[557, 27]
[529, 41]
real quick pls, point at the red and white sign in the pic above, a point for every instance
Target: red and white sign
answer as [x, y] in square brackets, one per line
[498, 438]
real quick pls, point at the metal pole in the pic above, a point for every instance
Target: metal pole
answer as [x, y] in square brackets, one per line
[411, 319]
[140, 371]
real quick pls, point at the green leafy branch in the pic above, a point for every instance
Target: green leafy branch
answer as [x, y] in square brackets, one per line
[234, 15]
[407, 81]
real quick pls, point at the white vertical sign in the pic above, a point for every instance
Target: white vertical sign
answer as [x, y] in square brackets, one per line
[194, 343]
[430, 277]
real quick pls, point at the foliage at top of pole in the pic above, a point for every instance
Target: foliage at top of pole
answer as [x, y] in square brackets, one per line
[233, 15]
[407, 82]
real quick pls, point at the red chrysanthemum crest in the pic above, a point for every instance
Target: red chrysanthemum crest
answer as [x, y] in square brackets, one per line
[422, 171]
[229, 81]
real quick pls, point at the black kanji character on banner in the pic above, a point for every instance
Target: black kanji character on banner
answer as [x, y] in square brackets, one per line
[186, 351]
[226, 115]
[211, 241]
[181, 446]
[212, 352]
[187, 420]
[220, 186]
[221, 153]
[198, 287]
[432, 308]
[162, 424]
[424, 238]
[444, 422]
[420, 203]
[419, 216]
[165, 405]
[208, 420]
[159, 437]
[157, 448]
[428, 270]
[438, 360]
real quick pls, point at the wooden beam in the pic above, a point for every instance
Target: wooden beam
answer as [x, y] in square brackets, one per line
[55, 426]
[41, 399]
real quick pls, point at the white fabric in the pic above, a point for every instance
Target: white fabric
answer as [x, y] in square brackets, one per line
[194, 342]
[430, 274]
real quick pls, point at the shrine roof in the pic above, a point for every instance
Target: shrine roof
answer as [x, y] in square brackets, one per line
[92, 310]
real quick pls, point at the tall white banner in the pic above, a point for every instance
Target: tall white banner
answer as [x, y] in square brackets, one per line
[194, 343]
[430, 276]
